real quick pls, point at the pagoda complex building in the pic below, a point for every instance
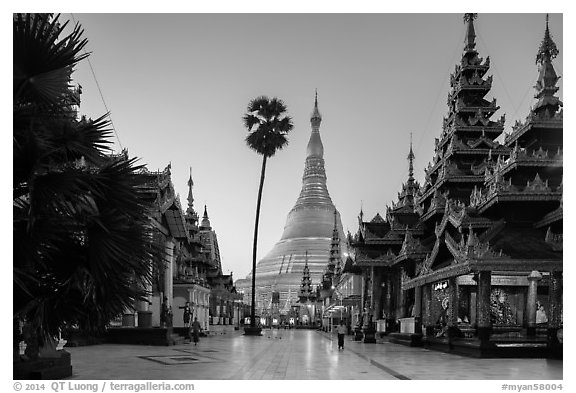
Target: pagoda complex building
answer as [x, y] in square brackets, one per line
[307, 236]
[471, 261]
[191, 268]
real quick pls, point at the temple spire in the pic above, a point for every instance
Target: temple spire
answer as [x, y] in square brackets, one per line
[470, 39]
[548, 49]
[190, 196]
[205, 220]
[411, 161]
[547, 78]
[316, 118]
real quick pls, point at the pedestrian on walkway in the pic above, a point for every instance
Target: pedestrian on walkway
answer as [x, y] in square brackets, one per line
[195, 330]
[164, 312]
[187, 314]
[341, 332]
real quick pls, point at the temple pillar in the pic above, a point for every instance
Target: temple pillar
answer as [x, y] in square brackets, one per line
[418, 310]
[555, 310]
[452, 311]
[483, 306]
[377, 295]
[369, 331]
[169, 271]
[401, 296]
[533, 279]
[473, 302]
[427, 301]
[388, 300]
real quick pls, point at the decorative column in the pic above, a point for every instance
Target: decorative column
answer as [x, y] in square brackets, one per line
[207, 311]
[427, 300]
[369, 331]
[377, 295]
[483, 306]
[533, 279]
[388, 299]
[418, 310]
[555, 312]
[452, 312]
[169, 271]
[401, 313]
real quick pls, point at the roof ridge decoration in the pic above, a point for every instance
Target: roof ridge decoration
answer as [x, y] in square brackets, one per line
[476, 249]
[404, 277]
[425, 266]
[555, 240]
[537, 185]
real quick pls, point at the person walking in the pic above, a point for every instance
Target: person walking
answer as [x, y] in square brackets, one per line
[164, 312]
[341, 332]
[195, 330]
[187, 313]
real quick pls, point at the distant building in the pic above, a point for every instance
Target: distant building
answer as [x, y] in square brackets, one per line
[192, 270]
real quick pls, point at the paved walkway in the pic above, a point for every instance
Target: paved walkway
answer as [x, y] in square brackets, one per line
[295, 355]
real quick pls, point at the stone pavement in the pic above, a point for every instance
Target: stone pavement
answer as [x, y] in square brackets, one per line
[295, 355]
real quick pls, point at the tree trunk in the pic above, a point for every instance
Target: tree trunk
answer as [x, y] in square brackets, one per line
[253, 312]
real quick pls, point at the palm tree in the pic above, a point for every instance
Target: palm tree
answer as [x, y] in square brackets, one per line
[267, 127]
[82, 237]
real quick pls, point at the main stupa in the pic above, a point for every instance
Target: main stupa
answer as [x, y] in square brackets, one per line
[307, 234]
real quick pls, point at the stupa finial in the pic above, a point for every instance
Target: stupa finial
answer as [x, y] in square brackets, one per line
[316, 118]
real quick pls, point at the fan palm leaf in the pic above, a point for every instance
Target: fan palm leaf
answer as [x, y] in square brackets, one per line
[44, 61]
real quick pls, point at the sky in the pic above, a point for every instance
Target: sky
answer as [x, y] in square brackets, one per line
[177, 85]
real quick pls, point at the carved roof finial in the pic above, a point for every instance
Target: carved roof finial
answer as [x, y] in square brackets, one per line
[548, 49]
[411, 160]
[469, 41]
[190, 184]
[547, 78]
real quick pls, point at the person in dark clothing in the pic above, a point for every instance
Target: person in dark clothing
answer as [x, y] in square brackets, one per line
[341, 332]
[196, 330]
[187, 314]
[164, 312]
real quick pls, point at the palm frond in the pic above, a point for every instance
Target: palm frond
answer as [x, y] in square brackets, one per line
[273, 125]
[43, 62]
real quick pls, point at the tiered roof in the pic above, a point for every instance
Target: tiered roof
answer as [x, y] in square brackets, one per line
[380, 241]
[512, 219]
[467, 144]
[484, 205]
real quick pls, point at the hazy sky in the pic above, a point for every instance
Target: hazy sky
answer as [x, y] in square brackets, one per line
[177, 86]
